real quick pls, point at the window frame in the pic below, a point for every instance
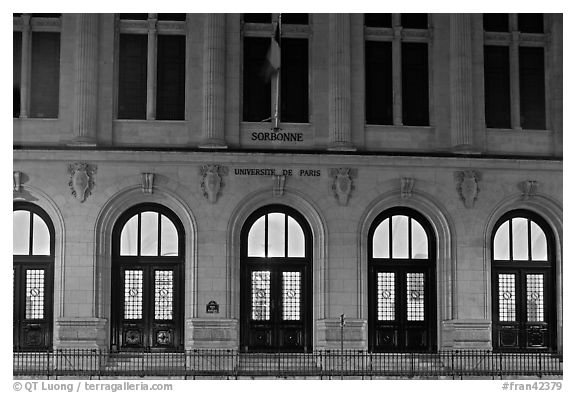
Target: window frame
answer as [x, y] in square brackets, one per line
[152, 27]
[26, 24]
[399, 35]
[266, 30]
[514, 39]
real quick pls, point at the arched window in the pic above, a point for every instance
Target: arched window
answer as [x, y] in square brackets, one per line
[147, 279]
[276, 271]
[523, 306]
[33, 269]
[401, 252]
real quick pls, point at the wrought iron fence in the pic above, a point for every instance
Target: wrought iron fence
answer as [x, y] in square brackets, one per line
[321, 363]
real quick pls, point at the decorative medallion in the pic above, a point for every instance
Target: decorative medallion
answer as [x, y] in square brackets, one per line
[133, 337]
[16, 181]
[529, 188]
[279, 181]
[163, 337]
[147, 182]
[406, 187]
[81, 179]
[212, 180]
[343, 184]
[468, 186]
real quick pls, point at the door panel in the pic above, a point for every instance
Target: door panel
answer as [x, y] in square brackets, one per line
[520, 315]
[32, 314]
[148, 316]
[401, 311]
[276, 308]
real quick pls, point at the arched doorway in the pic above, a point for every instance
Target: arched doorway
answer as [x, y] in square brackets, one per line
[148, 280]
[276, 281]
[33, 270]
[523, 283]
[401, 282]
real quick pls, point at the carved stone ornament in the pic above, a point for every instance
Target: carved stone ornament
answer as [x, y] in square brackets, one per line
[16, 180]
[468, 186]
[279, 181]
[406, 187]
[529, 188]
[81, 180]
[343, 184]
[147, 182]
[212, 180]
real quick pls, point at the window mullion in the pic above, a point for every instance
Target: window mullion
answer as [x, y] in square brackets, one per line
[25, 67]
[31, 234]
[152, 63]
[515, 73]
[397, 70]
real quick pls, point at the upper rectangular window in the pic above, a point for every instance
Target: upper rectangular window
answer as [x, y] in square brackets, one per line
[152, 66]
[269, 90]
[396, 69]
[515, 71]
[36, 62]
[132, 71]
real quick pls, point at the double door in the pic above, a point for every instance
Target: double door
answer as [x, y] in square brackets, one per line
[522, 304]
[402, 314]
[147, 307]
[276, 307]
[32, 312]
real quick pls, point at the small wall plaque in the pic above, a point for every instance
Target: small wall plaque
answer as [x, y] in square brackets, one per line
[212, 307]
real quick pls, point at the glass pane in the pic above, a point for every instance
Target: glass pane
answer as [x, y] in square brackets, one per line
[535, 297]
[169, 238]
[21, 234]
[45, 75]
[507, 297]
[519, 239]
[399, 237]
[256, 239]
[296, 241]
[502, 242]
[163, 294]
[291, 286]
[34, 294]
[261, 295]
[414, 21]
[415, 296]
[40, 237]
[378, 20]
[149, 234]
[276, 235]
[386, 297]
[381, 240]
[495, 22]
[129, 237]
[257, 18]
[419, 241]
[539, 244]
[133, 294]
[295, 19]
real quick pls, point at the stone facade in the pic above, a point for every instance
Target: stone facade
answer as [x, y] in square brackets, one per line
[456, 142]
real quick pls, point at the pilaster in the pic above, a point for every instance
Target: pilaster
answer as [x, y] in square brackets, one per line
[86, 80]
[214, 82]
[339, 83]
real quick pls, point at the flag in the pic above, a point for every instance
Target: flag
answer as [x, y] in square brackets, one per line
[273, 56]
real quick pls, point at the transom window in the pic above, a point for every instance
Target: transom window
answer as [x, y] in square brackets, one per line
[276, 235]
[31, 234]
[149, 233]
[400, 237]
[520, 239]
